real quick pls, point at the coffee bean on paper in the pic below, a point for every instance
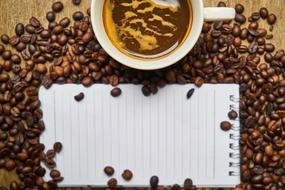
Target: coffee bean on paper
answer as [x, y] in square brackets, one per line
[188, 184]
[115, 92]
[79, 97]
[232, 115]
[127, 175]
[112, 183]
[225, 125]
[109, 171]
[57, 147]
[190, 93]
[154, 180]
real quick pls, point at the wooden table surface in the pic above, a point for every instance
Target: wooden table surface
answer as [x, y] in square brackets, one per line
[15, 11]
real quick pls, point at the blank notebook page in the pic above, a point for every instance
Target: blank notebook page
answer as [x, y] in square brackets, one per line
[166, 134]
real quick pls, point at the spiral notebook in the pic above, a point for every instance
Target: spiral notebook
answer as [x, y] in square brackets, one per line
[166, 135]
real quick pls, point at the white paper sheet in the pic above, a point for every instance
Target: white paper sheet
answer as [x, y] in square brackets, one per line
[165, 135]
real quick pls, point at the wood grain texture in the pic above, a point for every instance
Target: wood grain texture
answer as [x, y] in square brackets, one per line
[15, 11]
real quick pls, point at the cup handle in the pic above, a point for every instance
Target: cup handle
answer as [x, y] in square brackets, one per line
[219, 13]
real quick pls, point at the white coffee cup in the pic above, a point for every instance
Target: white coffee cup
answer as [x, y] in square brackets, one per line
[200, 14]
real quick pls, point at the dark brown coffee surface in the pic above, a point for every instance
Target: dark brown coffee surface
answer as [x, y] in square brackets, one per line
[147, 28]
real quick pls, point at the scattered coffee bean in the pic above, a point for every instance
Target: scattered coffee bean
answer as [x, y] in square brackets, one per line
[112, 183]
[79, 97]
[77, 16]
[19, 29]
[115, 92]
[50, 16]
[154, 180]
[64, 22]
[239, 8]
[76, 2]
[225, 125]
[50, 154]
[127, 175]
[175, 187]
[188, 184]
[10, 165]
[109, 171]
[232, 115]
[190, 93]
[263, 12]
[54, 173]
[57, 147]
[271, 19]
[57, 6]
[240, 18]
[5, 38]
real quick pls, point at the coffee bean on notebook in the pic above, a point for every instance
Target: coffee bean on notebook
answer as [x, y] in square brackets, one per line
[232, 115]
[127, 175]
[54, 173]
[57, 147]
[112, 183]
[175, 187]
[50, 154]
[109, 171]
[225, 125]
[190, 93]
[79, 97]
[154, 180]
[188, 184]
[115, 92]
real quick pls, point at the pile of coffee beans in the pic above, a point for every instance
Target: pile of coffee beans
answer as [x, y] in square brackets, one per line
[68, 52]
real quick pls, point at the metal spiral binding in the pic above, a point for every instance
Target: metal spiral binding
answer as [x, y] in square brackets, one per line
[234, 145]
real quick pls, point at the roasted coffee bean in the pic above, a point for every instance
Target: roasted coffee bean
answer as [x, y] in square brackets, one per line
[115, 92]
[263, 12]
[57, 147]
[30, 29]
[64, 22]
[146, 91]
[239, 8]
[154, 180]
[14, 41]
[16, 59]
[50, 16]
[255, 16]
[269, 47]
[45, 34]
[199, 81]
[57, 6]
[127, 175]
[236, 31]
[6, 55]
[112, 183]
[10, 165]
[87, 81]
[14, 185]
[190, 93]
[222, 4]
[76, 2]
[78, 15]
[50, 154]
[175, 187]
[35, 22]
[54, 173]
[188, 184]
[225, 125]
[232, 115]
[109, 171]
[240, 18]
[5, 38]
[19, 29]
[79, 97]
[2, 49]
[271, 19]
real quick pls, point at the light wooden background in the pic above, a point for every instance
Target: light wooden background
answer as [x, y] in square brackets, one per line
[15, 11]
